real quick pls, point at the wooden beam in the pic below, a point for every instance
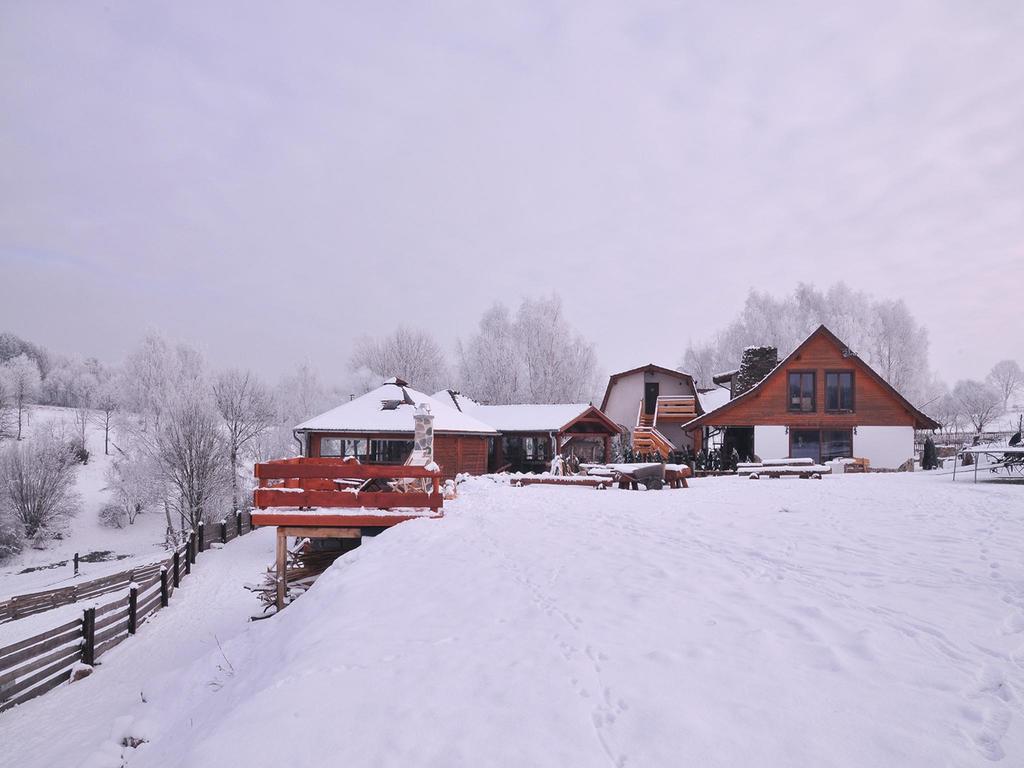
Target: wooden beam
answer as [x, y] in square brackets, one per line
[282, 557]
[319, 532]
[316, 520]
[336, 468]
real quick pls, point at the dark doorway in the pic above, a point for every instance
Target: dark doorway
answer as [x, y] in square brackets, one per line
[740, 438]
[805, 444]
[651, 390]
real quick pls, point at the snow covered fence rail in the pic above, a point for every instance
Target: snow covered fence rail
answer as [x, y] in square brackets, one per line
[31, 603]
[34, 665]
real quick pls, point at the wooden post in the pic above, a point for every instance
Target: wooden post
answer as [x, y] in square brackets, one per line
[202, 535]
[607, 449]
[223, 531]
[164, 595]
[133, 605]
[76, 563]
[176, 573]
[282, 564]
[190, 561]
[238, 522]
[89, 636]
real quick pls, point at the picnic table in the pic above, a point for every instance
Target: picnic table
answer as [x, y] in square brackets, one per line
[1008, 457]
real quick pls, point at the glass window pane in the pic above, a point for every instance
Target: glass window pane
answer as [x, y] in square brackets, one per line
[330, 446]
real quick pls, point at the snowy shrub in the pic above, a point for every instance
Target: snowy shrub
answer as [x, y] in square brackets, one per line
[112, 515]
[135, 487]
[37, 480]
[10, 536]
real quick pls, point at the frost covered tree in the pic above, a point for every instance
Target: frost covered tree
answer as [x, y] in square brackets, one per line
[408, 353]
[1007, 378]
[979, 402]
[192, 454]
[6, 409]
[489, 362]
[701, 361]
[300, 396]
[22, 378]
[247, 410]
[135, 486]
[534, 357]
[12, 346]
[882, 332]
[37, 481]
[154, 372]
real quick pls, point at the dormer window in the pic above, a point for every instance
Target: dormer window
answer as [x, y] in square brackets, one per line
[390, 405]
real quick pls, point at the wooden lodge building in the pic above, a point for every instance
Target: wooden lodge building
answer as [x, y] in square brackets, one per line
[532, 435]
[821, 402]
[378, 428]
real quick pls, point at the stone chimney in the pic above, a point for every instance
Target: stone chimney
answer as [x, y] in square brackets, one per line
[423, 435]
[757, 363]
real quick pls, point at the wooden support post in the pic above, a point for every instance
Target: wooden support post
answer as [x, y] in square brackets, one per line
[176, 573]
[133, 606]
[224, 531]
[607, 449]
[202, 535]
[164, 592]
[191, 552]
[282, 563]
[89, 636]
[238, 523]
[76, 563]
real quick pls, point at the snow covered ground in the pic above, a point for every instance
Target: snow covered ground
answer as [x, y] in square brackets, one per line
[867, 620]
[135, 544]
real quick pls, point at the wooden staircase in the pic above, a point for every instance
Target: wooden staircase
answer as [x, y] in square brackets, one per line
[650, 440]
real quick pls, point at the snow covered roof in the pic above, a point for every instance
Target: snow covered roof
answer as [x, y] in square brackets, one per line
[528, 417]
[713, 398]
[390, 408]
[452, 397]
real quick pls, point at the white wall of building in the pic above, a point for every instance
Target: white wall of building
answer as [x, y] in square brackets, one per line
[771, 442]
[884, 447]
[627, 392]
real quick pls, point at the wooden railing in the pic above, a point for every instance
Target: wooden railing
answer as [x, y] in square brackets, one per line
[34, 665]
[678, 408]
[649, 438]
[342, 483]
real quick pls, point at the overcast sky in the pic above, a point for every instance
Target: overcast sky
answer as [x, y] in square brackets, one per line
[269, 180]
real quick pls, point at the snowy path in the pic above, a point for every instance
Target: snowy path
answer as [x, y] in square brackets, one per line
[859, 621]
[70, 723]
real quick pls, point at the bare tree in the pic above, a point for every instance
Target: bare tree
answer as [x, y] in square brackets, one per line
[6, 409]
[1007, 377]
[300, 396]
[37, 485]
[192, 455]
[980, 403]
[247, 410]
[23, 380]
[407, 353]
[108, 401]
[701, 362]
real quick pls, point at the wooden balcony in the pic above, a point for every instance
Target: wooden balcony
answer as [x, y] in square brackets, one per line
[675, 409]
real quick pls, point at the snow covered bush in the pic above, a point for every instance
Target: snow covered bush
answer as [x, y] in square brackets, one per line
[135, 486]
[37, 481]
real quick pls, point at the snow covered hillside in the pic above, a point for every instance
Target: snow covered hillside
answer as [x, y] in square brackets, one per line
[856, 621]
[126, 546]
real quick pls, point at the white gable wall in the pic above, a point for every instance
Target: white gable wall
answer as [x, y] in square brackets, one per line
[627, 392]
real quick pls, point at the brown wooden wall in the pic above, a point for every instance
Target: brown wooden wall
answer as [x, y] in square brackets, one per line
[874, 405]
[460, 454]
[454, 454]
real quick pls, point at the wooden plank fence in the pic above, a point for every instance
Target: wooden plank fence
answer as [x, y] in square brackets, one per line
[34, 665]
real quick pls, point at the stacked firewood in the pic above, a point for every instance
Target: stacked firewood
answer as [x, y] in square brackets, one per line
[304, 565]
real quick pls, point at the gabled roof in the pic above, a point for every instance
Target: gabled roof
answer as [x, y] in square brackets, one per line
[537, 417]
[649, 368]
[390, 408]
[455, 399]
[921, 421]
